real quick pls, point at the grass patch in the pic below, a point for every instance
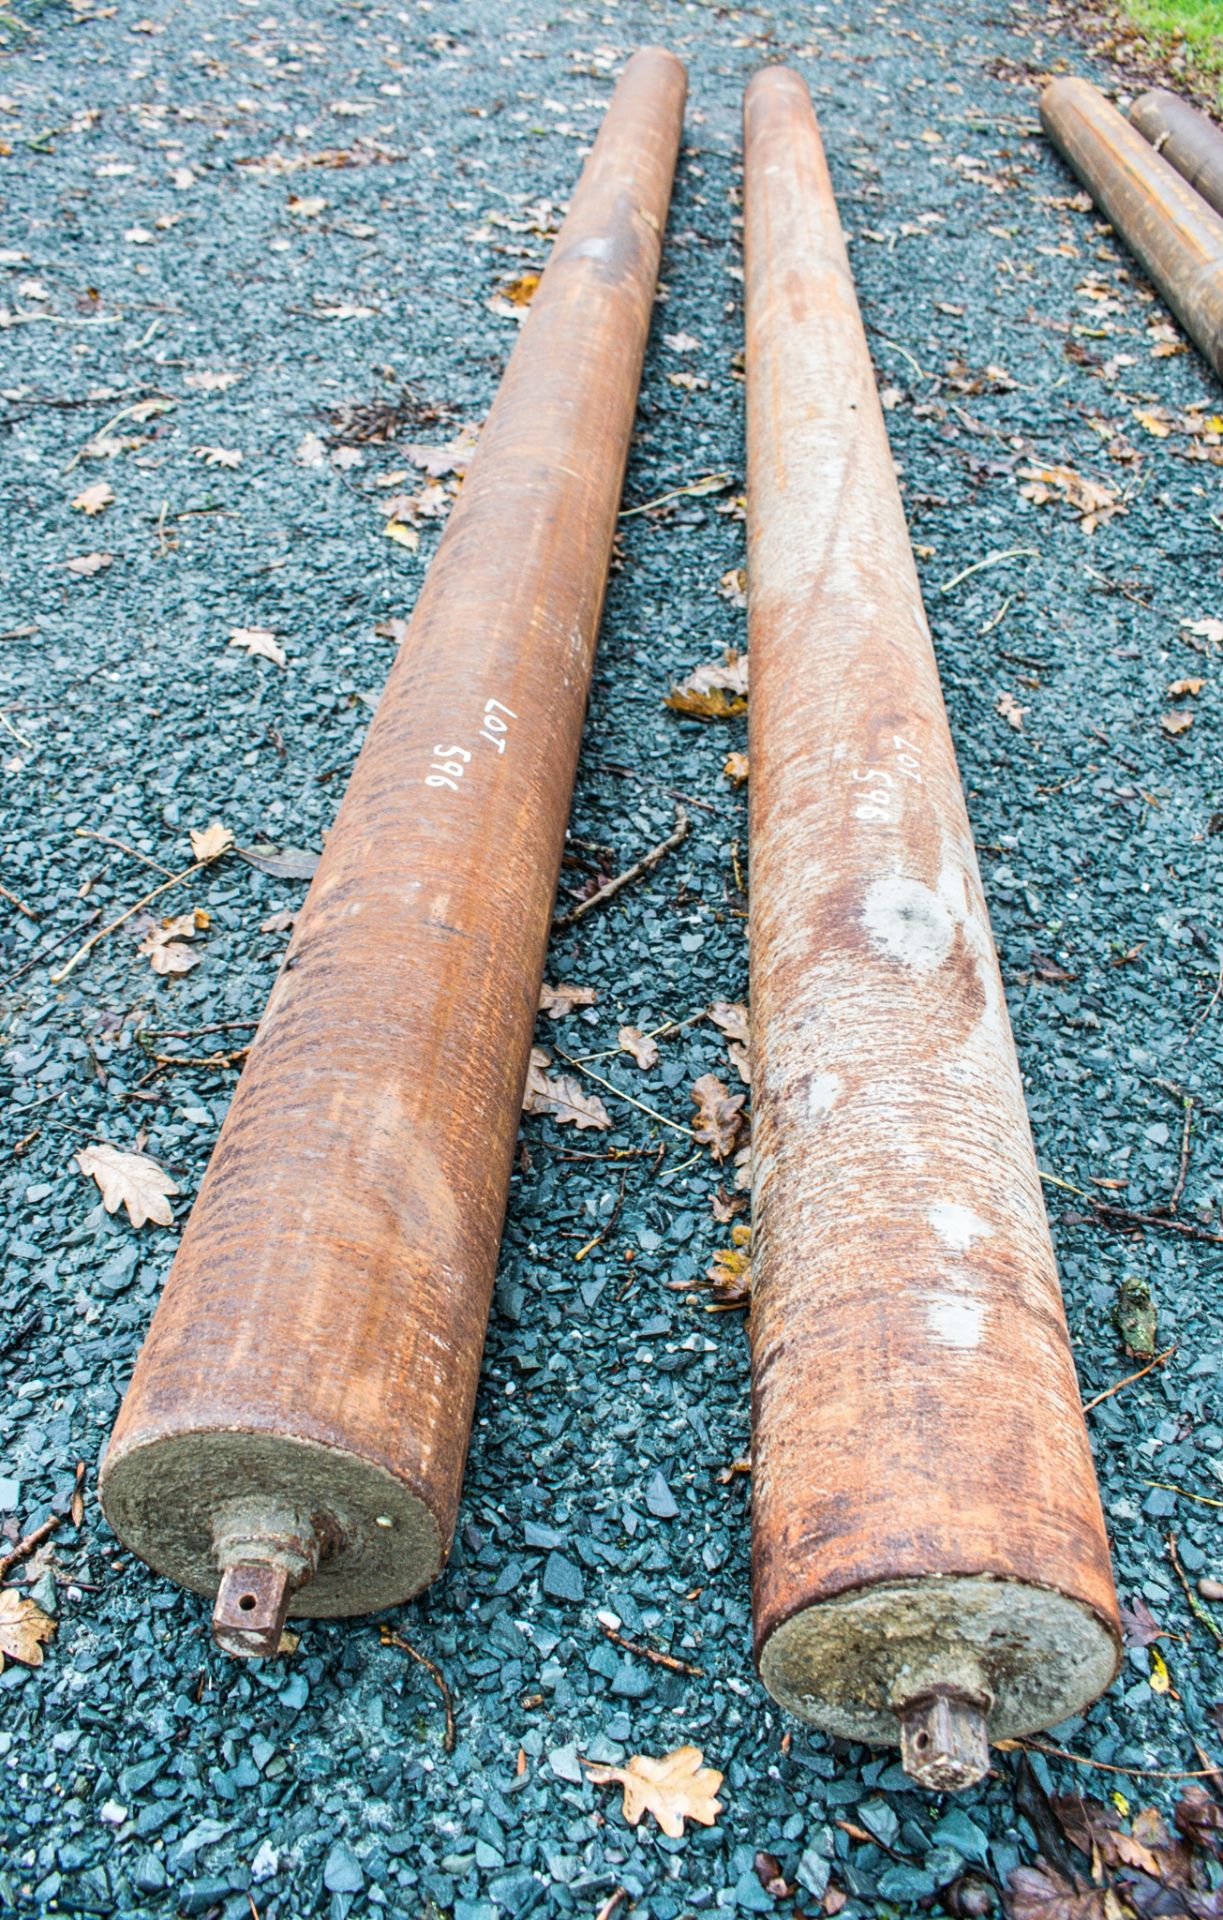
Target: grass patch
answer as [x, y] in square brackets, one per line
[1194, 28]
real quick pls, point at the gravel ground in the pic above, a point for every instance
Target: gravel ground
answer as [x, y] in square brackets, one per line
[170, 216]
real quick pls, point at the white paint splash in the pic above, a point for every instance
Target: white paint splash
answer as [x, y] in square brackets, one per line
[822, 1090]
[908, 921]
[956, 1319]
[956, 1226]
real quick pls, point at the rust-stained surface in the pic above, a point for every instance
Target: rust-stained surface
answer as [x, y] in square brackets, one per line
[1190, 141]
[1166, 225]
[926, 1525]
[311, 1370]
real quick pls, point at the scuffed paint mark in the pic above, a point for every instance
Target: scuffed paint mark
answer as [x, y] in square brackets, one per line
[956, 1226]
[955, 1319]
[822, 1090]
[908, 921]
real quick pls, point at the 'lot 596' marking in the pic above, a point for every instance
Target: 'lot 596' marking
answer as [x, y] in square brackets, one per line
[451, 763]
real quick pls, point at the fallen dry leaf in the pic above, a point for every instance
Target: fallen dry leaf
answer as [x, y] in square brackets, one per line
[643, 1047]
[557, 1001]
[279, 922]
[85, 565]
[1092, 501]
[691, 382]
[1209, 630]
[1010, 709]
[735, 768]
[162, 946]
[1179, 688]
[129, 1180]
[733, 586]
[24, 1628]
[713, 692]
[733, 1019]
[562, 1095]
[453, 456]
[674, 1789]
[403, 536]
[310, 451]
[719, 1115]
[93, 499]
[210, 382]
[513, 298]
[209, 843]
[260, 641]
[219, 456]
[1176, 722]
[730, 1273]
[1041, 1893]
[681, 342]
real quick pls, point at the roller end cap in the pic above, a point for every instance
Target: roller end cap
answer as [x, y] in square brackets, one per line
[252, 1603]
[944, 1745]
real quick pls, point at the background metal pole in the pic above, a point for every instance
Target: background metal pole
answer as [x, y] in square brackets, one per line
[1171, 232]
[1187, 139]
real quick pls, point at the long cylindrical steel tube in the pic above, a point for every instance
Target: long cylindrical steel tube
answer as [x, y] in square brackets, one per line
[1171, 232]
[928, 1549]
[1188, 140]
[296, 1427]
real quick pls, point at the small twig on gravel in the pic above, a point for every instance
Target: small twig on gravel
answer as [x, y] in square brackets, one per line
[1123, 1217]
[197, 866]
[668, 1026]
[637, 773]
[1182, 1170]
[621, 1095]
[635, 872]
[1170, 1486]
[26, 1547]
[1106, 1766]
[710, 483]
[669, 1660]
[192, 1033]
[19, 904]
[1212, 1004]
[612, 1901]
[610, 1222]
[1196, 1607]
[87, 833]
[1129, 1378]
[435, 1673]
[990, 560]
[22, 1334]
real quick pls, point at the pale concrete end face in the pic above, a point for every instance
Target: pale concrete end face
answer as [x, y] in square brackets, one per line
[168, 1501]
[848, 1665]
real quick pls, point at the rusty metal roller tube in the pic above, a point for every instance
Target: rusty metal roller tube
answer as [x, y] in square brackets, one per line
[295, 1431]
[1190, 141]
[929, 1558]
[1169, 229]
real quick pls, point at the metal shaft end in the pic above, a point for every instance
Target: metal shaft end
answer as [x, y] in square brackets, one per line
[943, 1741]
[252, 1603]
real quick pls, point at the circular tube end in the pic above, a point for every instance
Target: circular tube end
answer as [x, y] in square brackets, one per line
[864, 1664]
[347, 1535]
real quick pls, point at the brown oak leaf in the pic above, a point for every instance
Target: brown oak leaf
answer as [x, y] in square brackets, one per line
[676, 1788]
[719, 1115]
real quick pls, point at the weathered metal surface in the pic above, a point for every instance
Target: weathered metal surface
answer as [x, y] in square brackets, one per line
[1172, 233]
[1188, 140]
[310, 1373]
[926, 1525]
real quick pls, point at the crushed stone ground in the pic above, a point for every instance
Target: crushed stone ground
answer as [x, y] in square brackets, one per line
[170, 212]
